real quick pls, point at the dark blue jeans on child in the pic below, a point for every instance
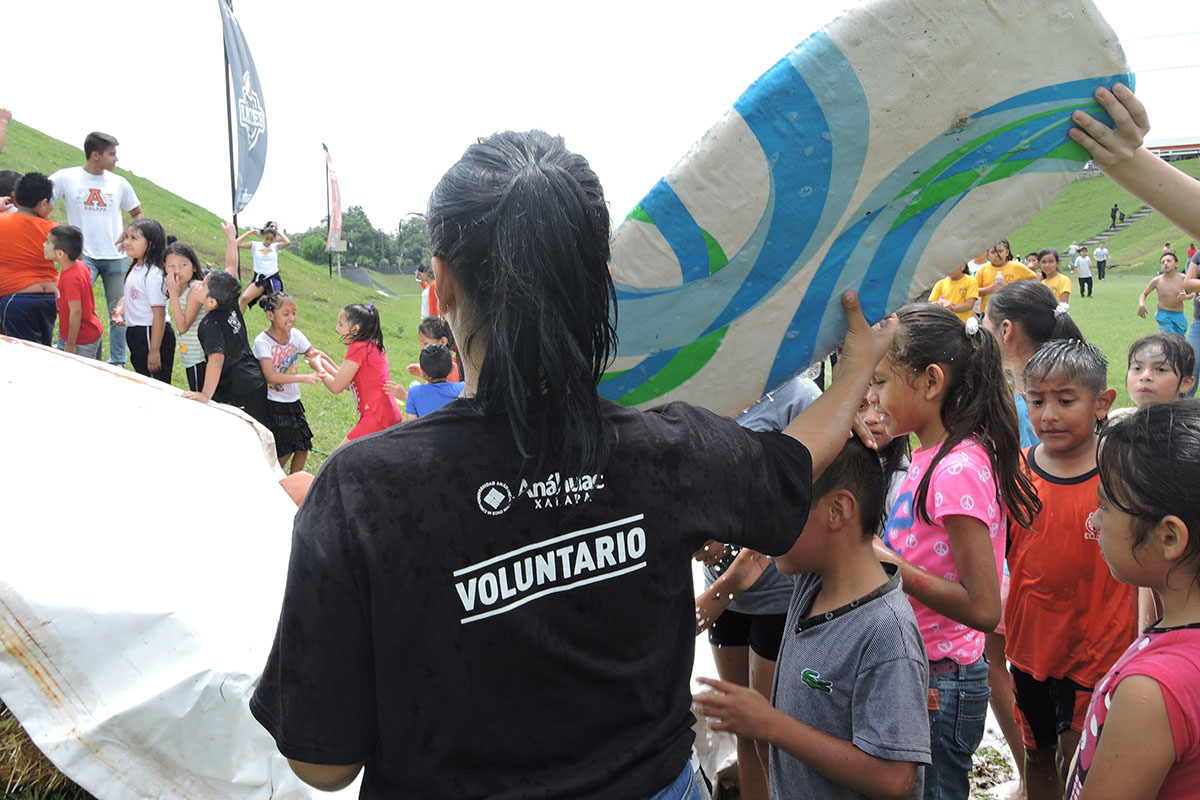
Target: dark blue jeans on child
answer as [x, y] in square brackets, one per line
[958, 701]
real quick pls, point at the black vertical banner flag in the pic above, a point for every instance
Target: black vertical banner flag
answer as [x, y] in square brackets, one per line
[249, 112]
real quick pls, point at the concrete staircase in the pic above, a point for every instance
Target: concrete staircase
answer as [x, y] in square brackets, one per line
[1141, 213]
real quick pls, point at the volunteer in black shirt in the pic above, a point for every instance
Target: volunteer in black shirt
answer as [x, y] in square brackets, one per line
[496, 600]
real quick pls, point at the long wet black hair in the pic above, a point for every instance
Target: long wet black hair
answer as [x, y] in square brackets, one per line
[1032, 306]
[522, 223]
[975, 403]
[1149, 468]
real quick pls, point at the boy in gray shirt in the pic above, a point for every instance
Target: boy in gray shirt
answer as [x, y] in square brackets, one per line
[848, 716]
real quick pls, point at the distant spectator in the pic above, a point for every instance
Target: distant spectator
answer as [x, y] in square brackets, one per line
[1101, 260]
[1191, 250]
[94, 198]
[1112, 212]
[5, 116]
[27, 279]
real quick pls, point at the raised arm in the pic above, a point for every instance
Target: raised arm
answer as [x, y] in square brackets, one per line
[824, 426]
[231, 247]
[282, 239]
[1120, 155]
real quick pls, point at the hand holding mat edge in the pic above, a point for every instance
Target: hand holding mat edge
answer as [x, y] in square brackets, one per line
[824, 426]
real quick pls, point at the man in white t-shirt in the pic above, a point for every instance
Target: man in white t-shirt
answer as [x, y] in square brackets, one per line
[94, 198]
[1101, 261]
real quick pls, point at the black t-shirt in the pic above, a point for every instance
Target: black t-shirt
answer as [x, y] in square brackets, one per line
[224, 331]
[469, 633]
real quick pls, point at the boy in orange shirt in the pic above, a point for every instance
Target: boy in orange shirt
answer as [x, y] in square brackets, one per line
[79, 328]
[1068, 620]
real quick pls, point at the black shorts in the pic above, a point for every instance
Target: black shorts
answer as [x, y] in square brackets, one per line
[268, 283]
[1046, 709]
[762, 632]
[288, 423]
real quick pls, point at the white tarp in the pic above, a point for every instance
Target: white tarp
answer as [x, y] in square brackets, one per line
[143, 547]
[144, 542]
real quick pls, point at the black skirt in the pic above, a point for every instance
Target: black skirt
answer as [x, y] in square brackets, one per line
[287, 422]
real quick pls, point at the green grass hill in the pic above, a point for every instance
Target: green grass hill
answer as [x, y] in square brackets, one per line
[318, 297]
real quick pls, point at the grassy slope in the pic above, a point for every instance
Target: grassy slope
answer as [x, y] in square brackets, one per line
[1109, 320]
[318, 298]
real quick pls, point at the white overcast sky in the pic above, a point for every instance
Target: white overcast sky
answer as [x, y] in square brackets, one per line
[398, 90]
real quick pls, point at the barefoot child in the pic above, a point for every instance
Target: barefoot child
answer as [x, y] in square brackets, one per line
[278, 350]
[231, 373]
[1067, 619]
[79, 329]
[943, 381]
[1169, 286]
[958, 292]
[1143, 725]
[851, 649]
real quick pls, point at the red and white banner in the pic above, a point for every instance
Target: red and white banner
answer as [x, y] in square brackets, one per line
[335, 205]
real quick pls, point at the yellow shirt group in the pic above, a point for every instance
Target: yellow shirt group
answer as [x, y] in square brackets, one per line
[1012, 271]
[957, 290]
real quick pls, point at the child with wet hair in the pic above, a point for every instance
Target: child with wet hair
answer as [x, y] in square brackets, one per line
[1160, 370]
[1067, 618]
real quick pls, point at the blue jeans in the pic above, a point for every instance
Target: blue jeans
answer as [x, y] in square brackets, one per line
[956, 729]
[688, 786]
[1193, 338]
[113, 272]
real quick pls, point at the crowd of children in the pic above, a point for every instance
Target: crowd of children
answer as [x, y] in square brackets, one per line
[994, 532]
[169, 300]
[1033, 525]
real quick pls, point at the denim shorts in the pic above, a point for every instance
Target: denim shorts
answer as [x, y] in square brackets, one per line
[955, 727]
[688, 786]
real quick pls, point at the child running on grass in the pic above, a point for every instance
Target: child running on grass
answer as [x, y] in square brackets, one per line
[851, 649]
[1169, 286]
[943, 380]
[1067, 619]
[278, 349]
[1142, 729]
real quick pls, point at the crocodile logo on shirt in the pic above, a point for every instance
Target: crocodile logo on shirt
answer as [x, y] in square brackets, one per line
[812, 679]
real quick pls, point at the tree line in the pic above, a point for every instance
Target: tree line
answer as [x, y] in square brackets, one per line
[402, 250]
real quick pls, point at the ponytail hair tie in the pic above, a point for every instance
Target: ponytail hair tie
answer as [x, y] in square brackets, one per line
[972, 324]
[372, 306]
[1061, 309]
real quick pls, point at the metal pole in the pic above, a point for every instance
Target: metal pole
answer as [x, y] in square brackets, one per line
[328, 215]
[229, 121]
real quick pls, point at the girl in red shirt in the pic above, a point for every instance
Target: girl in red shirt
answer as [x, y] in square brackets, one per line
[365, 370]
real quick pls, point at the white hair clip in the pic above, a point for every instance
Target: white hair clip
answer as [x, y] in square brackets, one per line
[972, 325]
[1061, 309]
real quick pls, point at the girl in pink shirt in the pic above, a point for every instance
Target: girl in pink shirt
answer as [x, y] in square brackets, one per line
[1141, 735]
[943, 381]
[365, 370]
